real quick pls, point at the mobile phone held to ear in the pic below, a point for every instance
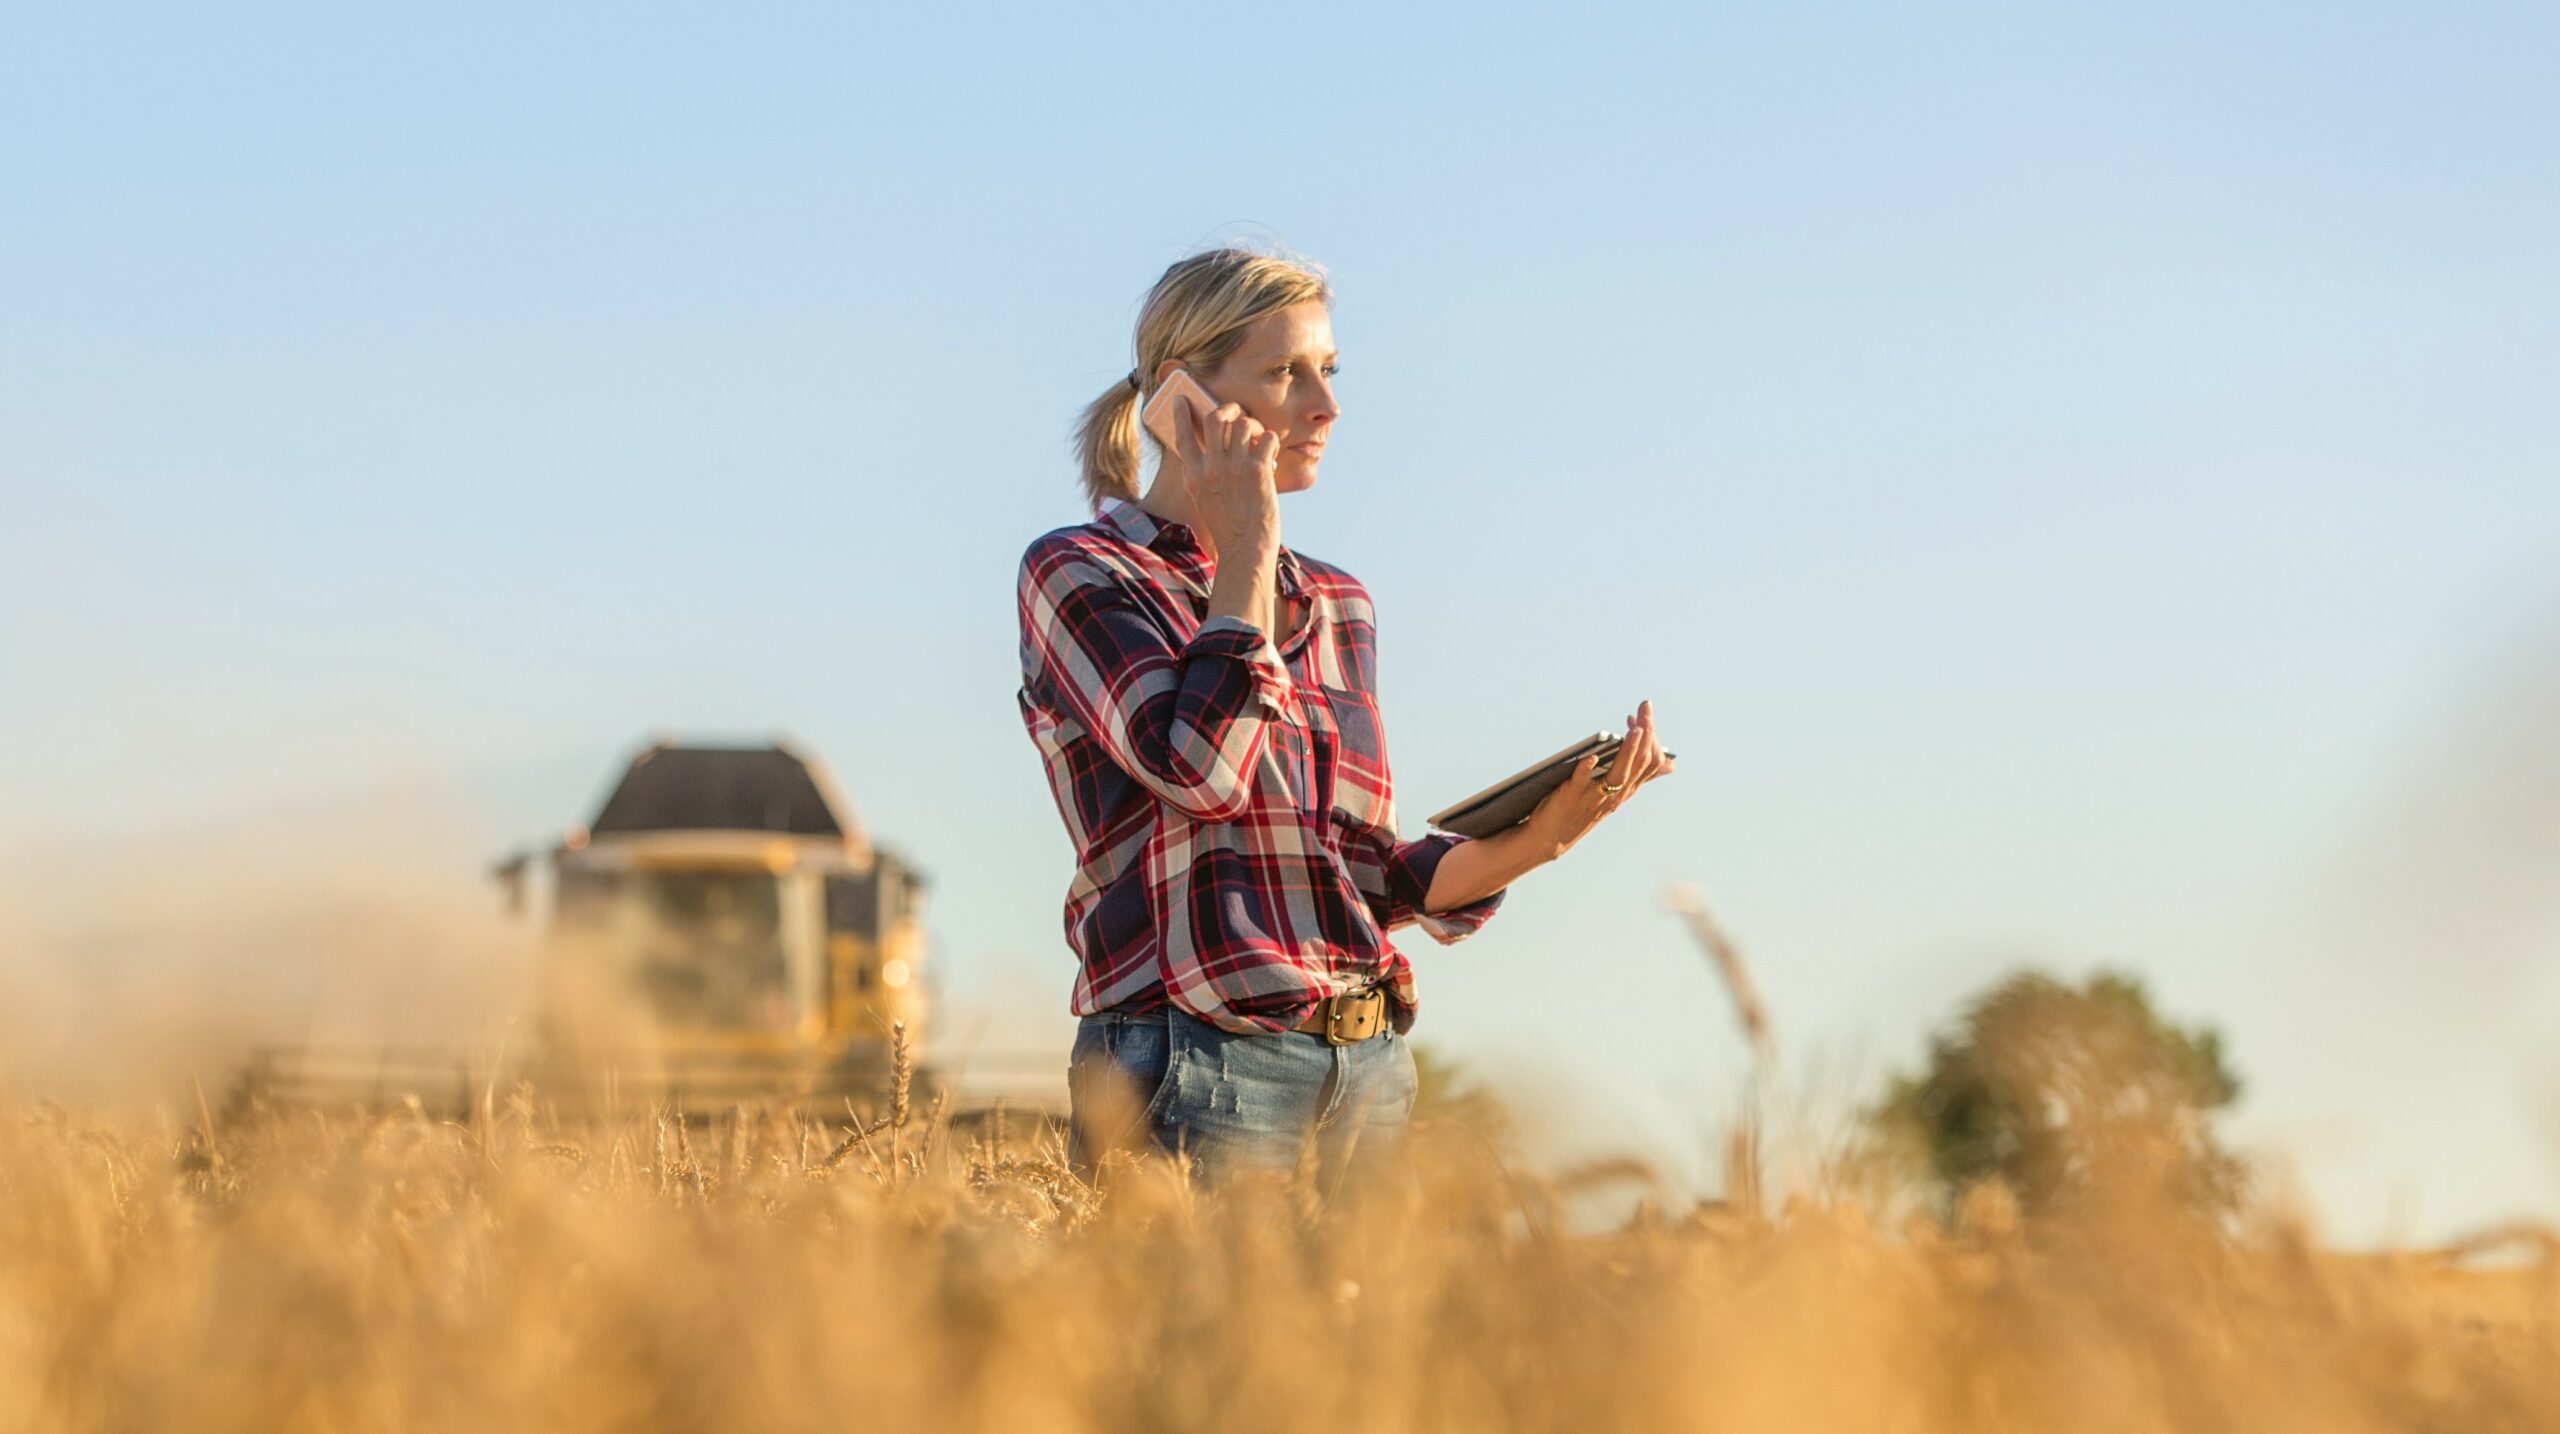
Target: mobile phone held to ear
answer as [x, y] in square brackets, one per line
[1161, 415]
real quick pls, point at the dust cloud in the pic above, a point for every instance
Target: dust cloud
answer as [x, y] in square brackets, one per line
[132, 967]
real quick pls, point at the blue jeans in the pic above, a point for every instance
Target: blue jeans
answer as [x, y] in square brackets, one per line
[1169, 1081]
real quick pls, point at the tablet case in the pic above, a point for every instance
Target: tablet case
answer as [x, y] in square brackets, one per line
[1508, 802]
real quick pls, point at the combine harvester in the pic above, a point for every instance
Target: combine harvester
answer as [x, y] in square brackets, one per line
[723, 933]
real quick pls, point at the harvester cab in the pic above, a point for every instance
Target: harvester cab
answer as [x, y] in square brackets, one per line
[722, 931]
[725, 907]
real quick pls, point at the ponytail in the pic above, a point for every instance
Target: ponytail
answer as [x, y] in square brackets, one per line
[1107, 446]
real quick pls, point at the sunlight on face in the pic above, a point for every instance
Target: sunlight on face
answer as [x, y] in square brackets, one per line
[1282, 376]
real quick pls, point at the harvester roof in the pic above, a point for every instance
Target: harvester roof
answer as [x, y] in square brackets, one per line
[696, 788]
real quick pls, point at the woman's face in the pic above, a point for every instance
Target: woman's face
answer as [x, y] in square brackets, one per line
[1282, 376]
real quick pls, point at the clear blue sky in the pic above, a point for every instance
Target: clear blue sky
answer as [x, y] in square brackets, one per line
[2077, 481]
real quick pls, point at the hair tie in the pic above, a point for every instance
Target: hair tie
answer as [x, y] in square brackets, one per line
[1133, 382]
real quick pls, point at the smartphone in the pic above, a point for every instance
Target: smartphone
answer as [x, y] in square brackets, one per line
[1161, 415]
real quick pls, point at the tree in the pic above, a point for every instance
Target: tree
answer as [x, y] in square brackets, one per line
[2053, 1090]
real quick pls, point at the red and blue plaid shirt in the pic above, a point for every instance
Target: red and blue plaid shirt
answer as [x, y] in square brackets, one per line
[1229, 802]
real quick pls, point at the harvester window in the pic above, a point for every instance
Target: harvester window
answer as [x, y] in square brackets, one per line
[709, 950]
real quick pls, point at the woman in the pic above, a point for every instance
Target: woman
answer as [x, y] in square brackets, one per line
[1203, 698]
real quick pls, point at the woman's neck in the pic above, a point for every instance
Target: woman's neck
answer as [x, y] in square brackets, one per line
[1170, 502]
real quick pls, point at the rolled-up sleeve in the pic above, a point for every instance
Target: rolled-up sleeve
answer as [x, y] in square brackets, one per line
[1190, 723]
[1395, 879]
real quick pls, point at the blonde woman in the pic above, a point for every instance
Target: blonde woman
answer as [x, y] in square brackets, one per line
[1204, 700]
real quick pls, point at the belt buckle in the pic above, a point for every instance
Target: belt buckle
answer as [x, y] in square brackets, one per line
[1337, 1014]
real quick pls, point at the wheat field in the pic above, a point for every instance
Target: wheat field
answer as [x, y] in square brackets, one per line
[301, 1270]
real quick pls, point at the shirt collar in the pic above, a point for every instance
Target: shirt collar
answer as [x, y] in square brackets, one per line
[1177, 542]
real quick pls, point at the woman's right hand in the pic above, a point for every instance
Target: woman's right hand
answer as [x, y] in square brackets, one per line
[1230, 469]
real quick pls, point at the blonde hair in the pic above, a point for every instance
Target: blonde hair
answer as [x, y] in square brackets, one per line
[1195, 315]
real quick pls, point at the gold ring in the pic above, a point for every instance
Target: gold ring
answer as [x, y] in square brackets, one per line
[1613, 790]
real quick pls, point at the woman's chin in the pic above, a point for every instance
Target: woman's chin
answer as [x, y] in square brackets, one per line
[1294, 478]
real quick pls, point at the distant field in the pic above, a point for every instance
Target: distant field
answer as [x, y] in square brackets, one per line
[298, 1271]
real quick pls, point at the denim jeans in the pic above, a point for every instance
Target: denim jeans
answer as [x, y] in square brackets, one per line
[1170, 1081]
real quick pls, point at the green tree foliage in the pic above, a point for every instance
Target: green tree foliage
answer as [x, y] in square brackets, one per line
[2051, 1089]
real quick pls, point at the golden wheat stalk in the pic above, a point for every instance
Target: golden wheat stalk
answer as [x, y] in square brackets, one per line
[1753, 1014]
[859, 1139]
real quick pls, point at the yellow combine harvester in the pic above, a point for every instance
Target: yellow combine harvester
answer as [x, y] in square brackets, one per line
[722, 932]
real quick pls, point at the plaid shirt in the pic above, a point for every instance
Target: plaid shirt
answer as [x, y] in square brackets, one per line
[1229, 802]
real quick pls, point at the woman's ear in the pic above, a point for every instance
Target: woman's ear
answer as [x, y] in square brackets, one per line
[1164, 369]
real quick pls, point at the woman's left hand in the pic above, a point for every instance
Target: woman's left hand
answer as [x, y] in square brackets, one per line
[1577, 806]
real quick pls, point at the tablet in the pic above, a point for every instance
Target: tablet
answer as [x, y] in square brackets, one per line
[1509, 801]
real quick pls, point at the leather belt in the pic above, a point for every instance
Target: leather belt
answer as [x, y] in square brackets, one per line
[1349, 1018]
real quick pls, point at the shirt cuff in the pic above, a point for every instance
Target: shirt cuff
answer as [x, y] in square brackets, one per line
[1237, 638]
[1413, 865]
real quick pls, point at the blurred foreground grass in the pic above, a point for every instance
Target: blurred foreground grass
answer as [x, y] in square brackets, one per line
[300, 1271]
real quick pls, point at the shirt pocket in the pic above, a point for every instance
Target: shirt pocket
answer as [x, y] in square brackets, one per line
[1361, 791]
